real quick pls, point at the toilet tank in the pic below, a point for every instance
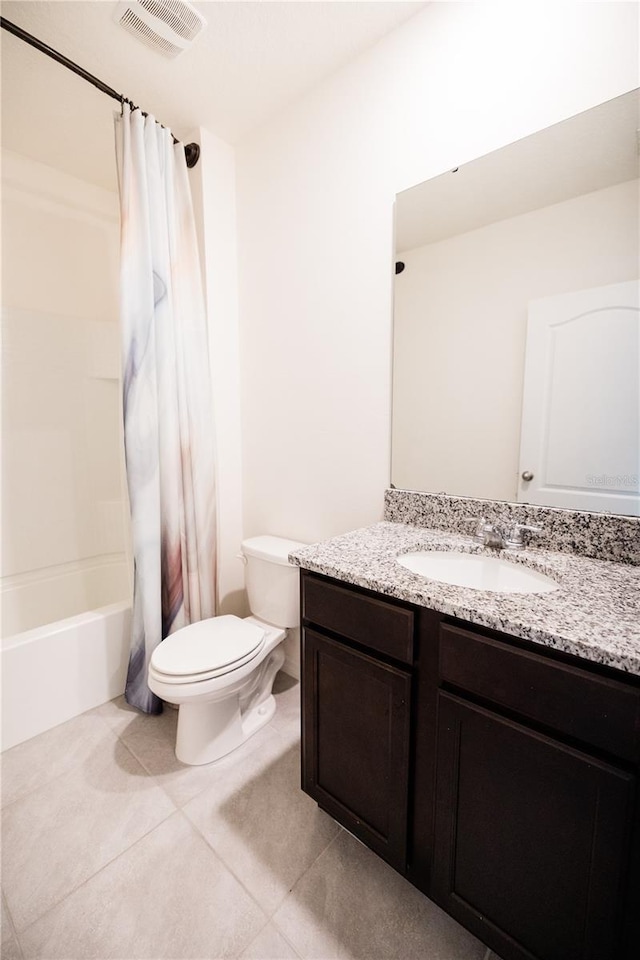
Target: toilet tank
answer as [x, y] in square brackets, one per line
[273, 584]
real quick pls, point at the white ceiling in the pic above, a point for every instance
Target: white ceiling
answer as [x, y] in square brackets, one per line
[252, 60]
[591, 151]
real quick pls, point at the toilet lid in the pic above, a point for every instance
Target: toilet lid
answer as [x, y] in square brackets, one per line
[209, 647]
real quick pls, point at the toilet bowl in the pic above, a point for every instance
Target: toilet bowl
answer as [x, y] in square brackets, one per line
[220, 671]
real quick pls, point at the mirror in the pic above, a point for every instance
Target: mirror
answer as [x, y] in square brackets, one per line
[517, 321]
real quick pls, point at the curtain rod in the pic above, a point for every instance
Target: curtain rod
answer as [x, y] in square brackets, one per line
[191, 150]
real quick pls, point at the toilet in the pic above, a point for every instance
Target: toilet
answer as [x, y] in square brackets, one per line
[220, 671]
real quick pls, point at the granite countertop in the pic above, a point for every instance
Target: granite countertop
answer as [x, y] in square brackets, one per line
[594, 614]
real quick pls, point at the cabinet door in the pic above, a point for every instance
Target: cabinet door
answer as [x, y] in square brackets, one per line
[530, 838]
[355, 759]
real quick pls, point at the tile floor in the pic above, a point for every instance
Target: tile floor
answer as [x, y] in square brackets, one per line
[113, 849]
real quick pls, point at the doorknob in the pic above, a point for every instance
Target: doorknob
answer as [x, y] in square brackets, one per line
[527, 475]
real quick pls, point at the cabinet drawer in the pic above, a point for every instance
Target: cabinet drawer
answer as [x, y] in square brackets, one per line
[375, 624]
[596, 710]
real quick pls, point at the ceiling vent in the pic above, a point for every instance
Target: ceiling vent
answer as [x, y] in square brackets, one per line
[167, 26]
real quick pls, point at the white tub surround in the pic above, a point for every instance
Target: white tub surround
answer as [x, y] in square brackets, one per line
[42, 597]
[65, 526]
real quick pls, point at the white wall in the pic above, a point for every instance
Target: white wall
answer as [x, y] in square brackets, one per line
[461, 305]
[315, 193]
[214, 193]
[65, 533]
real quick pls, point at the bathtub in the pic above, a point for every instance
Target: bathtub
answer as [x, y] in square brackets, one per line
[52, 673]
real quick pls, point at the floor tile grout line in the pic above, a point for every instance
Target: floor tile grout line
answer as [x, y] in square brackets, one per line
[179, 809]
[339, 831]
[226, 866]
[169, 738]
[139, 713]
[117, 736]
[73, 766]
[286, 938]
[113, 731]
[95, 874]
[239, 879]
[178, 804]
[150, 775]
[87, 879]
[251, 942]
[171, 741]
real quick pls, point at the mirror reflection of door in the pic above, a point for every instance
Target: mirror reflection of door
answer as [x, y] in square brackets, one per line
[580, 437]
[552, 213]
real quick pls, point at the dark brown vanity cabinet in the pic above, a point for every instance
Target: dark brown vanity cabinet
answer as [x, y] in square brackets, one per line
[535, 793]
[530, 837]
[356, 717]
[499, 777]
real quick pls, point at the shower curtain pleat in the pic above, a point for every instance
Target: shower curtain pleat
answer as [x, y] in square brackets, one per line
[167, 396]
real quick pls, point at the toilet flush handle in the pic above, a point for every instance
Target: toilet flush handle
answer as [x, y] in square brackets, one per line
[241, 556]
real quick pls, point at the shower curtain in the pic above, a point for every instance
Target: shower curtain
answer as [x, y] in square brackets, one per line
[166, 394]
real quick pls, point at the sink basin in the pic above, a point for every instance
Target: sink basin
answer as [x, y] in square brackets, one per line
[477, 571]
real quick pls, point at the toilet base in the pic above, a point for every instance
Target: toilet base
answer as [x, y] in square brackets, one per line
[210, 730]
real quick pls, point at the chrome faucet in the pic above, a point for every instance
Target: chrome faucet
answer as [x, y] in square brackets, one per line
[489, 535]
[515, 539]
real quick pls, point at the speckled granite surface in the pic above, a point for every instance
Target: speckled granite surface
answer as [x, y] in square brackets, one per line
[595, 613]
[603, 536]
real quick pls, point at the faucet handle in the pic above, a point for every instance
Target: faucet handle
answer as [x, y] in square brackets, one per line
[515, 540]
[483, 526]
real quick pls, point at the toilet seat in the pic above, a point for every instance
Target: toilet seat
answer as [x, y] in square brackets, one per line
[207, 649]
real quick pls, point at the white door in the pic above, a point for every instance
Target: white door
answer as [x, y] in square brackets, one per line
[580, 439]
